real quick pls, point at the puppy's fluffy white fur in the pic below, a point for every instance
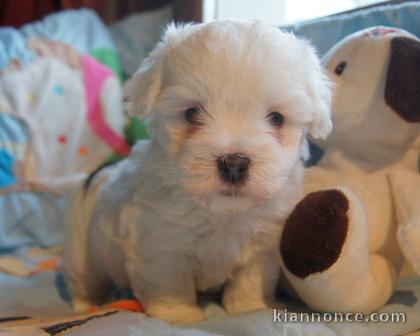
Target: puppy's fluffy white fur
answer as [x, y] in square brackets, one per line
[162, 221]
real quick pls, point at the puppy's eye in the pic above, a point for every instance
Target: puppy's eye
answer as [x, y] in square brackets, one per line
[192, 115]
[275, 119]
[339, 69]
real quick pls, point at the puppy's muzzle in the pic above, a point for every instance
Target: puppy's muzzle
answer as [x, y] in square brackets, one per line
[233, 168]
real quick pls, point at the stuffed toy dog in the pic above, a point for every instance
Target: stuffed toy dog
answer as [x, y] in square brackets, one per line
[344, 243]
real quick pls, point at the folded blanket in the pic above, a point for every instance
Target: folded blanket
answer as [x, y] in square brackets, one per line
[61, 116]
[327, 31]
[82, 29]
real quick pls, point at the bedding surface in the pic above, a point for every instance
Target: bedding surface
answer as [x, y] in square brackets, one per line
[34, 301]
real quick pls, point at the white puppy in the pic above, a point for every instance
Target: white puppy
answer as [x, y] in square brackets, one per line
[230, 105]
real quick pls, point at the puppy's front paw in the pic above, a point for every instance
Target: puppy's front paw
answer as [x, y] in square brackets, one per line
[176, 314]
[235, 306]
[81, 305]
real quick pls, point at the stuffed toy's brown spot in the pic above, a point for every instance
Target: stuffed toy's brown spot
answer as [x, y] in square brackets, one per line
[402, 88]
[315, 232]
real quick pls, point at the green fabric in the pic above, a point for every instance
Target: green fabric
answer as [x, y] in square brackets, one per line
[109, 58]
[125, 77]
[135, 130]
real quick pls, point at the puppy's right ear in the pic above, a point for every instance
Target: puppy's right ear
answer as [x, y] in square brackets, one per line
[146, 83]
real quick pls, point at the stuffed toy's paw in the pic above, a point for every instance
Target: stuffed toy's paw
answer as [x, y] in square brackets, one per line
[315, 232]
[326, 258]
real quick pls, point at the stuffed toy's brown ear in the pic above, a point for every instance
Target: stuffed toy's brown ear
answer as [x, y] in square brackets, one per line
[402, 87]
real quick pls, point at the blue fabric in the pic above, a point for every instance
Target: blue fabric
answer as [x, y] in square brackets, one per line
[31, 218]
[327, 31]
[13, 46]
[82, 29]
[13, 132]
[7, 177]
[27, 217]
[12, 128]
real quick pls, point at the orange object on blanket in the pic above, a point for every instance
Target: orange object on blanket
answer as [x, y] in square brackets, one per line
[47, 265]
[131, 305]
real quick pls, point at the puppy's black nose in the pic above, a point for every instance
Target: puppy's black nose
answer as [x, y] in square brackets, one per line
[233, 168]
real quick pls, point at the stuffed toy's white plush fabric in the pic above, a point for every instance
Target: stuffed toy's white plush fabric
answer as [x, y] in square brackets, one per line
[344, 243]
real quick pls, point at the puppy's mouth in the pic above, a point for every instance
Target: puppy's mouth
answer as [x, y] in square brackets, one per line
[233, 192]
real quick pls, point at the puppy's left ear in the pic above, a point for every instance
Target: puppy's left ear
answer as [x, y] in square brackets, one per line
[319, 88]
